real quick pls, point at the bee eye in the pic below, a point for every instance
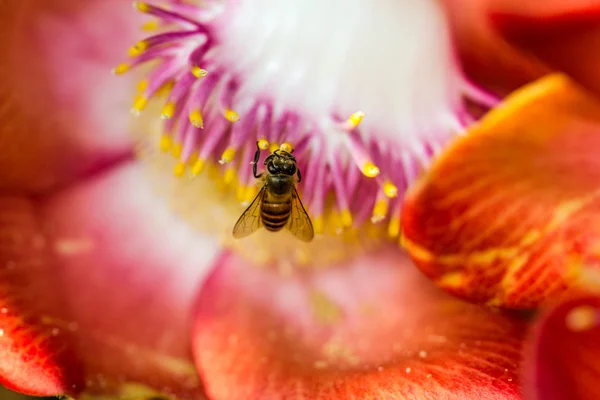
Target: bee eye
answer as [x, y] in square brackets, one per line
[272, 168]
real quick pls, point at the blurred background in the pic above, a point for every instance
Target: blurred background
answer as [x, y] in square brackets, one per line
[6, 394]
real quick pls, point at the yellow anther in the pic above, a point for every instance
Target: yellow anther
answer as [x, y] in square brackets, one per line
[370, 170]
[346, 217]
[176, 150]
[231, 115]
[287, 147]
[139, 103]
[165, 143]
[138, 48]
[250, 194]
[356, 118]
[179, 169]
[380, 210]
[227, 155]
[390, 189]
[263, 144]
[142, 85]
[240, 192]
[192, 159]
[198, 167]
[273, 146]
[229, 176]
[319, 225]
[168, 111]
[394, 227]
[141, 6]
[196, 118]
[151, 25]
[121, 69]
[199, 72]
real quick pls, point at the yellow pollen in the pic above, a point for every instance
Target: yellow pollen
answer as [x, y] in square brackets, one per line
[273, 147]
[139, 103]
[121, 69]
[346, 217]
[287, 147]
[380, 210]
[142, 85]
[138, 48]
[176, 150]
[150, 25]
[319, 225]
[179, 169]
[250, 194]
[263, 144]
[227, 155]
[229, 176]
[356, 118]
[196, 118]
[394, 228]
[231, 115]
[141, 6]
[370, 170]
[168, 111]
[165, 143]
[390, 190]
[198, 167]
[240, 192]
[199, 72]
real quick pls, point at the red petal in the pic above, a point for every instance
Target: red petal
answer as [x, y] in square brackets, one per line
[564, 361]
[56, 88]
[506, 43]
[373, 329]
[511, 212]
[563, 34]
[122, 270]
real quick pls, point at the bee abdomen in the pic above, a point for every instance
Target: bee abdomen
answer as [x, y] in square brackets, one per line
[275, 215]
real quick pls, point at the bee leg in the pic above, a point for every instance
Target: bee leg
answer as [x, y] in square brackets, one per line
[299, 176]
[255, 162]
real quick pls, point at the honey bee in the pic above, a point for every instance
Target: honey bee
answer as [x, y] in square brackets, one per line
[277, 204]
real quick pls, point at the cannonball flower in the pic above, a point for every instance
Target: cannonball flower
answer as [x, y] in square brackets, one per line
[446, 137]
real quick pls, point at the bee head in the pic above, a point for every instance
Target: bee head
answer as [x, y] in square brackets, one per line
[281, 162]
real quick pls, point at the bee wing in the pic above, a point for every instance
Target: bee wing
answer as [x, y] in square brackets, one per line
[250, 220]
[299, 223]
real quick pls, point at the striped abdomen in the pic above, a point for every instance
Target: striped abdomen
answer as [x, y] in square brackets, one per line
[275, 211]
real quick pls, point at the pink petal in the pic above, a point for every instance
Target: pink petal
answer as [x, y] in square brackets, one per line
[564, 360]
[122, 271]
[372, 329]
[63, 113]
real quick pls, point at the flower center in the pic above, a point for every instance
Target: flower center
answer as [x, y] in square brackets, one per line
[364, 94]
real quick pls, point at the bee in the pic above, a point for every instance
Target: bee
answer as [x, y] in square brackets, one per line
[277, 204]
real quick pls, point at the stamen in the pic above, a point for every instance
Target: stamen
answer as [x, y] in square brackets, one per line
[237, 75]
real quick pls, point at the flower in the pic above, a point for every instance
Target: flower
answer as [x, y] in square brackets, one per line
[120, 277]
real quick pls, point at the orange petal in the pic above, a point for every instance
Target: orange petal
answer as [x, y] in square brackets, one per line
[563, 361]
[511, 212]
[373, 329]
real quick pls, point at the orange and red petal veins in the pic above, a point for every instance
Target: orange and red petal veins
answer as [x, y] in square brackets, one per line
[562, 358]
[510, 214]
[373, 329]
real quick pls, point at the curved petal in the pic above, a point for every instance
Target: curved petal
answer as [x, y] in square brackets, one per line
[506, 43]
[63, 113]
[563, 34]
[564, 359]
[373, 329]
[122, 270]
[511, 212]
